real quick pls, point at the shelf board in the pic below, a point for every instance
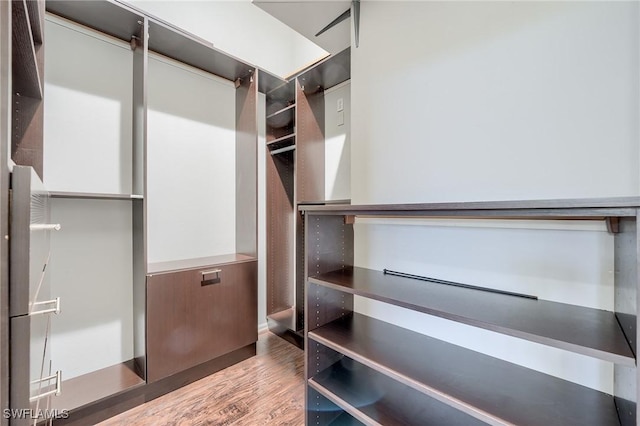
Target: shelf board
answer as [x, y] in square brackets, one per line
[25, 74]
[327, 73]
[281, 139]
[586, 331]
[579, 208]
[94, 195]
[189, 49]
[375, 399]
[285, 318]
[492, 390]
[96, 386]
[109, 17]
[345, 419]
[200, 262]
[290, 108]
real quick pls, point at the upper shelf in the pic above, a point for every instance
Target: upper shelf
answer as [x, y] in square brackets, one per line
[123, 21]
[587, 331]
[327, 73]
[25, 74]
[94, 195]
[492, 390]
[579, 208]
[105, 16]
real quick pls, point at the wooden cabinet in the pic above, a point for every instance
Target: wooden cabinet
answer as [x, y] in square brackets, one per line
[374, 372]
[199, 314]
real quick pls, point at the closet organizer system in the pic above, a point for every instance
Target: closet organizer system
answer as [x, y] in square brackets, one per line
[295, 175]
[361, 370]
[174, 320]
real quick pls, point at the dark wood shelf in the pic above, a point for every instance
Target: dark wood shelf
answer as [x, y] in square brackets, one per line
[96, 386]
[109, 17]
[285, 318]
[579, 208]
[345, 419]
[94, 195]
[290, 108]
[375, 399]
[327, 73]
[491, 390]
[25, 74]
[200, 262]
[586, 331]
[192, 50]
[282, 142]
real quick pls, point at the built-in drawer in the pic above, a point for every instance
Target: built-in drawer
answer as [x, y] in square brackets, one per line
[197, 315]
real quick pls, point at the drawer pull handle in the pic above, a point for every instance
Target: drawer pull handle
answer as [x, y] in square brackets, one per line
[56, 391]
[215, 272]
[55, 309]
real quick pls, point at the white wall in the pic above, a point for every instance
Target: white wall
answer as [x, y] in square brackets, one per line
[488, 101]
[88, 119]
[91, 270]
[337, 128]
[240, 29]
[87, 133]
[191, 163]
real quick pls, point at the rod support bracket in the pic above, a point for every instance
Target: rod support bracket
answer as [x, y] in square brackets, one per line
[613, 224]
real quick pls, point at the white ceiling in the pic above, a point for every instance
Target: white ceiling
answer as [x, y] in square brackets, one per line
[310, 16]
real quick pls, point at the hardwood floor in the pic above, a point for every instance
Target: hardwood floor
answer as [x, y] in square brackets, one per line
[267, 389]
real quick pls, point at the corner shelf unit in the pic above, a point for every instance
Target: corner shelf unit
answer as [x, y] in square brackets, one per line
[295, 174]
[353, 361]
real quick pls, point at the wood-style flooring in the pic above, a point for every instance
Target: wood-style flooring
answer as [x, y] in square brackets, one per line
[267, 389]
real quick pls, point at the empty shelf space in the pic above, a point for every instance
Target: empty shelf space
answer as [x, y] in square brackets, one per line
[200, 262]
[375, 399]
[587, 331]
[288, 109]
[26, 77]
[95, 386]
[487, 388]
[94, 195]
[285, 318]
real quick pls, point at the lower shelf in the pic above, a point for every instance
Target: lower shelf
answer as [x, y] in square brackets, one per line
[492, 390]
[375, 399]
[283, 324]
[96, 386]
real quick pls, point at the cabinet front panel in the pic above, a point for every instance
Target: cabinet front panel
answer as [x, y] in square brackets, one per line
[194, 316]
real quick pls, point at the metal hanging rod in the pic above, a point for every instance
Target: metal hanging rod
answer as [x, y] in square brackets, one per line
[281, 150]
[455, 284]
[45, 227]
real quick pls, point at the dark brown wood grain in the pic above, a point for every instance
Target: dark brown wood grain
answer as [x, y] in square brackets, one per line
[26, 78]
[588, 331]
[189, 323]
[488, 388]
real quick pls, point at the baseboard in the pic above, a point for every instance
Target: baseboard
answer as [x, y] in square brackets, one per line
[263, 327]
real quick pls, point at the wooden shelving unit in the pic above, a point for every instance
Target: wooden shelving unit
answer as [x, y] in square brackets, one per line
[295, 142]
[350, 355]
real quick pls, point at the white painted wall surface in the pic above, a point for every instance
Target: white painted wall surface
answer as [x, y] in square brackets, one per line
[487, 101]
[88, 119]
[240, 29]
[337, 161]
[190, 163]
[91, 270]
